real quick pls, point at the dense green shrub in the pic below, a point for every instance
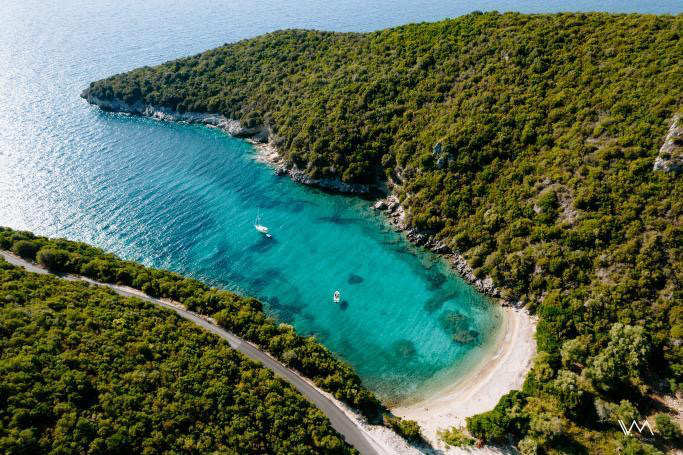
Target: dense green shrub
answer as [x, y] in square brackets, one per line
[508, 417]
[408, 429]
[52, 259]
[83, 370]
[455, 437]
[668, 427]
[27, 249]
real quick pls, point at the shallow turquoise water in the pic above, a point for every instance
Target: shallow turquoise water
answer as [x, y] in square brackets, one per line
[185, 197]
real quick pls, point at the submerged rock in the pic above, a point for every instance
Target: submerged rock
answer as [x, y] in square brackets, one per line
[453, 321]
[465, 336]
[405, 349]
[436, 279]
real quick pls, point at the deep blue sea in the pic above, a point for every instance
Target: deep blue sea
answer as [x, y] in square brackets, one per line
[185, 197]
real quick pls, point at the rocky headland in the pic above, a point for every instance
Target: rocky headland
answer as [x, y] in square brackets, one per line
[257, 134]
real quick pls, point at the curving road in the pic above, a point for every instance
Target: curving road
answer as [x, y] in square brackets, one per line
[353, 434]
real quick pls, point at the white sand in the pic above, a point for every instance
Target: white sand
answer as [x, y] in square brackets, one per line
[482, 387]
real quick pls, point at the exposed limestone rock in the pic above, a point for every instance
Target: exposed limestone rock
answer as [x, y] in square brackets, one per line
[233, 127]
[436, 149]
[302, 177]
[380, 205]
[670, 157]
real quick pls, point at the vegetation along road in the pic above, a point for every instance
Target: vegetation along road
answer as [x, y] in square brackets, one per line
[340, 421]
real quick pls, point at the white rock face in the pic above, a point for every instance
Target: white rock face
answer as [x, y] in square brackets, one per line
[230, 126]
[670, 157]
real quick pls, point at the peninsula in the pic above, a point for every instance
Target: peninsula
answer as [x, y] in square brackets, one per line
[540, 152]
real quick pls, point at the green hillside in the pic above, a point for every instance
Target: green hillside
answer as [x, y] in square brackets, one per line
[83, 370]
[525, 143]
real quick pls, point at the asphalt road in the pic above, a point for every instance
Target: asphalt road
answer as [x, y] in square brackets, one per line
[353, 434]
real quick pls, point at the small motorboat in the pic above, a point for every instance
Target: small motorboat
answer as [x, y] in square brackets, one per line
[336, 297]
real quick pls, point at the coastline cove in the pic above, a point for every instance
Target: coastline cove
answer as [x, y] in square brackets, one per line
[406, 322]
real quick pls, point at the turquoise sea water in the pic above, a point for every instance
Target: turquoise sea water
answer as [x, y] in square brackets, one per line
[185, 197]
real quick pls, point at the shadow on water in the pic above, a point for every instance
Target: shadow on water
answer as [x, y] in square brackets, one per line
[343, 305]
[338, 220]
[355, 279]
[264, 244]
[437, 301]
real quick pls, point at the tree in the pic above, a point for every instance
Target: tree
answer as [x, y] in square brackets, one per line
[667, 427]
[620, 362]
[87, 371]
[575, 351]
[408, 429]
[27, 249]
[53, 259]
[612, 412]
[508, 417]
[455, 437]
[546, 420]
[568, 388]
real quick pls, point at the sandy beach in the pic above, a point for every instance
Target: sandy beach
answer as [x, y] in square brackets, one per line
[480, 389]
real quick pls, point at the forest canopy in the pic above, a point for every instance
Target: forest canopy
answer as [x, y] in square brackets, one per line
[84, 370]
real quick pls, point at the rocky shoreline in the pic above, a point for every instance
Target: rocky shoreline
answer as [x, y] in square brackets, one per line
[259, 134]
[261, 137]
[395, 214]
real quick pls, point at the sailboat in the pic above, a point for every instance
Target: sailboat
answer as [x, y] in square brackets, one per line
[336, 297]
[259, 227]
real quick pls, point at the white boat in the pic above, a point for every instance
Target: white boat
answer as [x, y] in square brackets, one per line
[337, 297]
[259, 227]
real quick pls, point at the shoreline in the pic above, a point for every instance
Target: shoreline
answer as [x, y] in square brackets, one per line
[256, 134]
[501, 369]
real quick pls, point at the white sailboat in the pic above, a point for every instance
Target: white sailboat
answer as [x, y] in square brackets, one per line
[336, 297]
[259, 227]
